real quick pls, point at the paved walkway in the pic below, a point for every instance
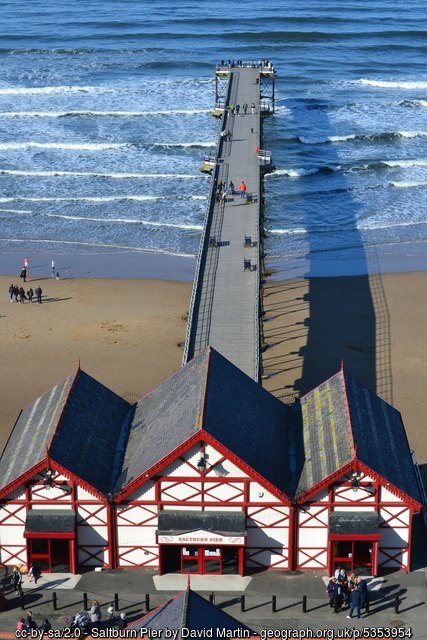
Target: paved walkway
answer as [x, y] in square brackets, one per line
[133, 584]
[225, 313]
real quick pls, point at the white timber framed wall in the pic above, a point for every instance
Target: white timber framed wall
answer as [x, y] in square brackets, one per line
[223, 486]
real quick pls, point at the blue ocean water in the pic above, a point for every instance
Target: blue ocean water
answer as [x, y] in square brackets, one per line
[105, 116]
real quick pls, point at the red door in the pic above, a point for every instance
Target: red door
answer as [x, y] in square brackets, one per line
[201, 560]
[51, 554]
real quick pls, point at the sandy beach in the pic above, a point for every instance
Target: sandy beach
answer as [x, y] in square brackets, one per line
[126, 334]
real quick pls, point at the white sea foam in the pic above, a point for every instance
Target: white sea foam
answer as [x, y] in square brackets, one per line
[288, 232]
[11, 91]
[79, 146]
[95, 245]
[101, 114]
[369, 137]
[375, 226]
[408, 185]
[15, 211]
[394, 84]
[183, 145]
[137, 198]
[293, 173]
[148, 223]
[405, 164]
[92, 174]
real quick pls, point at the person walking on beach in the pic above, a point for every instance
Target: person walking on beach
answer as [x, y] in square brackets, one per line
[22, 297]
[30, 294]
[23, 274]
[27, 266]
[39, 294]
[16, 292]
[53, 268]
[242, 189]
[11, 293]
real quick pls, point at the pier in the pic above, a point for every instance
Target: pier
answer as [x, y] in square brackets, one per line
[225, 309]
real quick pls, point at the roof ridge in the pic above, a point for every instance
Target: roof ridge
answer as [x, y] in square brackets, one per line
[347, 412]
[201, 416]
[185, 607]
[73, 382]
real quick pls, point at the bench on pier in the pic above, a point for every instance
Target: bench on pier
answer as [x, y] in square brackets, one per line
[248, 266]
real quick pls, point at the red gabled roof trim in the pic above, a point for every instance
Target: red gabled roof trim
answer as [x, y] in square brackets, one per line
[243, 466]
[158, 466]
[356, 465]
[417, 506]
[23, 478]
[185, 446]
[306, 495]
[76, 479]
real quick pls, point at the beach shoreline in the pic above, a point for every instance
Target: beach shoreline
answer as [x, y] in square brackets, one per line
[164, 266]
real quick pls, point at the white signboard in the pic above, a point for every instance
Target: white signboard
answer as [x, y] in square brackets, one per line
[200, 537]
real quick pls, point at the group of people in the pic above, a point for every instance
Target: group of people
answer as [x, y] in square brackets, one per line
[85, 621]
[18, 294]
[235, 109]
[239, 63]
[28, 624]
[350, 591]
[224, 189]
[92, 619]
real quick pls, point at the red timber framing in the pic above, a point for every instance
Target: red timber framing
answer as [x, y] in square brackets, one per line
[14, 511]
[198, 489]
[369, 497]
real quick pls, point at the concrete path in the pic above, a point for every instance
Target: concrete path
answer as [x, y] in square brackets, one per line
[178, 582]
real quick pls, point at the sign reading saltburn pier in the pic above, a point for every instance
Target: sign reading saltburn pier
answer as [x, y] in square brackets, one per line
[201, 537]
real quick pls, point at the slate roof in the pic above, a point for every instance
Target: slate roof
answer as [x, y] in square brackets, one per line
[89, 432]
[50, 520]
[108, 443]
[348, 522]
[227, 523]
[212, 394]
[78, 423]
[328, 441]
[32, 433]
[380, 438]
[188, 610]
[342, 421]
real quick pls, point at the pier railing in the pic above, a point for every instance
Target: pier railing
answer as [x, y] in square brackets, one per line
[205, 237]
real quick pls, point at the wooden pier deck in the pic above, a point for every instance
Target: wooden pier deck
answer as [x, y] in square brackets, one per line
[225, 307]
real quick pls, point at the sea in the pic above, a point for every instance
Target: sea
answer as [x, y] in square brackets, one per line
[105, 115]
